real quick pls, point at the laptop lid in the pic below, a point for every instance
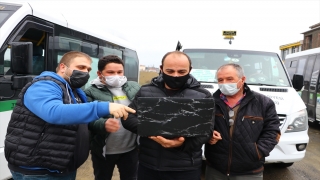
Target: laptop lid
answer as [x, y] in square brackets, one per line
[175, 117]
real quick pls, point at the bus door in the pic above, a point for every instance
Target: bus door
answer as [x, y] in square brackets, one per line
[310, 80]
[33, 30]
[315, 88]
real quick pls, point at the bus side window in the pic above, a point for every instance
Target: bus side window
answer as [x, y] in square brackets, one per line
[131, 65]
[38, 60]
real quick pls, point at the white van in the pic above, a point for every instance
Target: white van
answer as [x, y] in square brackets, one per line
[267, 75]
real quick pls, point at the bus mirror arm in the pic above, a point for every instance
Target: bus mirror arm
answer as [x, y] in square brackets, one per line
[14, 92]
[18, 82]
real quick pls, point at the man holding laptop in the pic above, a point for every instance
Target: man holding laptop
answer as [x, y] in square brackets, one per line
[171, 157]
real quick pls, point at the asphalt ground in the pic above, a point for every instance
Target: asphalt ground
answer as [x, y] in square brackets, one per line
[306, 169]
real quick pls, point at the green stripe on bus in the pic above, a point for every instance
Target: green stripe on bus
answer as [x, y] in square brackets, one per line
[7, 105]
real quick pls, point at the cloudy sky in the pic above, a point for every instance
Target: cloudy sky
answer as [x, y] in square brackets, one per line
[156, 26]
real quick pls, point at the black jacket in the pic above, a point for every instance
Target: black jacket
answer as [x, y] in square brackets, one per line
[256, 132]
[151, 154]
[32, 142]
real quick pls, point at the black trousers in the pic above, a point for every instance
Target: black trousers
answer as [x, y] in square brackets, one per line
[149, 174]
[127, 164]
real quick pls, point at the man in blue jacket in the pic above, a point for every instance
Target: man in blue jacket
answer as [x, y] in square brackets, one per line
[47, 136]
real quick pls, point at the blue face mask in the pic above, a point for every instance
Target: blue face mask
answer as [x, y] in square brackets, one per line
[229, 89]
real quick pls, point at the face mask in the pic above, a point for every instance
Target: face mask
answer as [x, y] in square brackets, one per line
[175, 82]
[115, 81]
[78, 78]
[229, 89]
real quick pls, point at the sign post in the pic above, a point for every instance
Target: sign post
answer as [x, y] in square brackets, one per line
[229, 35]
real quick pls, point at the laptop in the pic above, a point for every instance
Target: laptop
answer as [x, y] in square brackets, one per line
[174, 117]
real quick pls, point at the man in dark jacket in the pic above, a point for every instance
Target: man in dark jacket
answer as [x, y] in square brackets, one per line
[176, 158]
[47, 136]
[246, 129]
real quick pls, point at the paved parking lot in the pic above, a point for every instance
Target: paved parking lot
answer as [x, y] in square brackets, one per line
[307, 169]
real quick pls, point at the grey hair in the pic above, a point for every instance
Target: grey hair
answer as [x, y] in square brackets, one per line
[239, 69]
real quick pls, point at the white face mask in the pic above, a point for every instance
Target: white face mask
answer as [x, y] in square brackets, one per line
[115, 81]
[229, 89]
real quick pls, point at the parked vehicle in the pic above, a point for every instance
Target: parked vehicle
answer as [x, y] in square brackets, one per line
[267, 75]
[44, 37]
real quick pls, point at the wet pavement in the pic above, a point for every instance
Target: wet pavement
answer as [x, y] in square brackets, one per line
[306, 169]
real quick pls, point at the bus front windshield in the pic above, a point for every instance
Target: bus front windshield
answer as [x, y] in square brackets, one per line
[6, 10]
[260, 68]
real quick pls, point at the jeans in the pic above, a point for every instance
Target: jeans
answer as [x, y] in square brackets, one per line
[19, 176]
[213, 174]
[127, 164]
[150, 174]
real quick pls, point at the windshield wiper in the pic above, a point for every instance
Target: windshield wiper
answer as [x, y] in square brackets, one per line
[261, 84]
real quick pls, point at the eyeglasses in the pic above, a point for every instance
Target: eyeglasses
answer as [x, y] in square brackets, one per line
[231, 114]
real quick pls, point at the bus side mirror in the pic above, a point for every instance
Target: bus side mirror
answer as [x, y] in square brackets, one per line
[21, 64]
[297, 82]
[21, 57]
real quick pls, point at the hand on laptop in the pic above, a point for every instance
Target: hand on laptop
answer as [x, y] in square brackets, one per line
[119, 110]
[112, 125]
[215, 137]
[168, 143]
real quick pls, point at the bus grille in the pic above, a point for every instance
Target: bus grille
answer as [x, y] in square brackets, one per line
[282, 119]
[274, 89]
[207, 86]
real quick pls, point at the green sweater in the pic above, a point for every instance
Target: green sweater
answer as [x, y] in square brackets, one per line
[98, 133]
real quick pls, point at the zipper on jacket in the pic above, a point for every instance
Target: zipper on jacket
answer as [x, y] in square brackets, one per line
[231, 137]
[39, 141]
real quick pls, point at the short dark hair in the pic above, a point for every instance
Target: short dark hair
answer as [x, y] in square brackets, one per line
[68, 57]
[178, 53]
[109, 59]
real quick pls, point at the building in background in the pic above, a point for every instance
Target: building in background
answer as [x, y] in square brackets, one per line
[149, 69]
[290, 48]
[311, 38]
[142, 68]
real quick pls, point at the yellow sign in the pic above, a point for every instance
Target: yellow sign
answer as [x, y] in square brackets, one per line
[228, 37]
[229, 33]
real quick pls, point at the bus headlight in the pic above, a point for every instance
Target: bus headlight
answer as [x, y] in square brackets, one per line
[299, 123]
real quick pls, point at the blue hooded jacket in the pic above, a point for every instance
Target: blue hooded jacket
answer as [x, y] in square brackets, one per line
[45, 99]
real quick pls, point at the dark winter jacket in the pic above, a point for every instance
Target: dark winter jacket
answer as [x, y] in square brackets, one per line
[151, 154]
[98, 133]
[34, 146]
[255, 133]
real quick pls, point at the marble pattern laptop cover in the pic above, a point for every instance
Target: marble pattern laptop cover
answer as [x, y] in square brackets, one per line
[174, 117]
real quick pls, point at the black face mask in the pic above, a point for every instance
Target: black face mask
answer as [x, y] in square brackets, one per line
[78, 78]
[175, 82]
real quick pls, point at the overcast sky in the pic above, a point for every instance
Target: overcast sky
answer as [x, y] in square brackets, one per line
[156, 26]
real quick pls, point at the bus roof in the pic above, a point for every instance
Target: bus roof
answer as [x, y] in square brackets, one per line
[303, 53]
[54, 16]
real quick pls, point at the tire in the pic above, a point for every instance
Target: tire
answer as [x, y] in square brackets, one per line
[283, 165]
